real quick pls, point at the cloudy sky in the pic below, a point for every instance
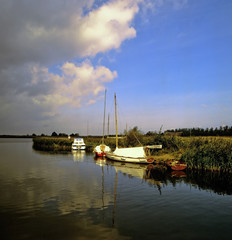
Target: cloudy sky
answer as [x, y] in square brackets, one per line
[169, 62]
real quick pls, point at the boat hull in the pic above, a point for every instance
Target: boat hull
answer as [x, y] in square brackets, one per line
[77, 147]
[176, 165]
[100, 154]
[115, 157]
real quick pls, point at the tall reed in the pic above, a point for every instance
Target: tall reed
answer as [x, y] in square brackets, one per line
[209, 153]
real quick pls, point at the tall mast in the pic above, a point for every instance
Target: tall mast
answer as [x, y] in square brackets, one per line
[108, 128]
[116, 124]
[104, 119]
[87, 128]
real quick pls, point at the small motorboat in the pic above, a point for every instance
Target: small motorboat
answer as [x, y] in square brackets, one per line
[78, 144]
[176, 165]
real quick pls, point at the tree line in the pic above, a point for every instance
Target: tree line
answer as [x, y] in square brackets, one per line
[221, 131]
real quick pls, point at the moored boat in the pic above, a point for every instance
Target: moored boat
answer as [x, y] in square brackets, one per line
[131, 154]
[102, 149]
[176, 165]
[78, 144]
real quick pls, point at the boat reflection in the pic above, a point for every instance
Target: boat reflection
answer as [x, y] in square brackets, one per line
[159, 176]
[141, 171]
[178, 174]
[78, 156]
[101, 161]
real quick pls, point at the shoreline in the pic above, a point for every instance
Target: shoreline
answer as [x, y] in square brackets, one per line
[211, 153]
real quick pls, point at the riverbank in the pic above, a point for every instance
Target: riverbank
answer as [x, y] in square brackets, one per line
[214, 153]
[65, 144]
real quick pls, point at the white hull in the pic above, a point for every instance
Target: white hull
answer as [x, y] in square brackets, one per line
[133, 154]
[78, 147]
[130, 155]
[115, 157]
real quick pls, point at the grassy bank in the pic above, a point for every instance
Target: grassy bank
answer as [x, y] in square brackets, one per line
[65, 144]
[209, 153]
[213, 153]
[52, 143]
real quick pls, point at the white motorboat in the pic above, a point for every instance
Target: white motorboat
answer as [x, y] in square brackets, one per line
[78, 144]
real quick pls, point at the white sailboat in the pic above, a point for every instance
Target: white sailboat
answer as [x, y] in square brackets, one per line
[131, 154]
[102, 149]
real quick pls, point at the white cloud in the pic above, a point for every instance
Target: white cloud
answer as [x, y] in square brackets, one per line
[58, 31]
[47, 93]
[106, 27]
[36, 35]
[77, 84]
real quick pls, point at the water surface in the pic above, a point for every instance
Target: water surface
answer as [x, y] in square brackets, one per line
[74, 196]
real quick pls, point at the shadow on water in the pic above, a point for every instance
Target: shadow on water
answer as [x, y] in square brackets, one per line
[159, 176]
[218, 182]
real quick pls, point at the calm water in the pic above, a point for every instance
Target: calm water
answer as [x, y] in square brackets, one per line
[74, 196]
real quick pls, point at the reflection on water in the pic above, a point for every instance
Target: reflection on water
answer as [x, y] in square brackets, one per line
[74, 196]
[78, 156]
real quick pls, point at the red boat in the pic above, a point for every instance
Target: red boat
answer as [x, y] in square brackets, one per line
[101, 150]
[176, 165]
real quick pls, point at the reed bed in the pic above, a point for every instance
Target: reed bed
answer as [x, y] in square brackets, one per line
[214, 153]
[52, 143]
[209, 153]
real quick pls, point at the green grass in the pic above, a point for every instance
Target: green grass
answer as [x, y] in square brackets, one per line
[52, 143]
[213, 153]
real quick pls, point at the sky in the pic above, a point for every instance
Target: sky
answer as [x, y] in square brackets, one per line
[168, 61]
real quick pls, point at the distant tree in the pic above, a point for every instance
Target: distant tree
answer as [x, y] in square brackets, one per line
[151, 133]
[63, 135]
[221, 131]
[54, 134]
[134, 137]
[74, 135]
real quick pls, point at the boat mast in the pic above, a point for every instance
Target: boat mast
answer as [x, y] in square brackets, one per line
[116, 124]
[104, 119]
[108, 128]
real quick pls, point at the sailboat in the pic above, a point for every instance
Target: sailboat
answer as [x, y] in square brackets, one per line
[102, 149]
[131, 154]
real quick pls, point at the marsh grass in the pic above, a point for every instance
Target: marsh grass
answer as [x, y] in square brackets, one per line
[214, 153]
[52, 143]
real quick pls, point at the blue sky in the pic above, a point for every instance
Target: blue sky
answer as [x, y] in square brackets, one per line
[169, 62]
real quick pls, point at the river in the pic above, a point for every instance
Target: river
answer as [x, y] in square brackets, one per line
[74, 196]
